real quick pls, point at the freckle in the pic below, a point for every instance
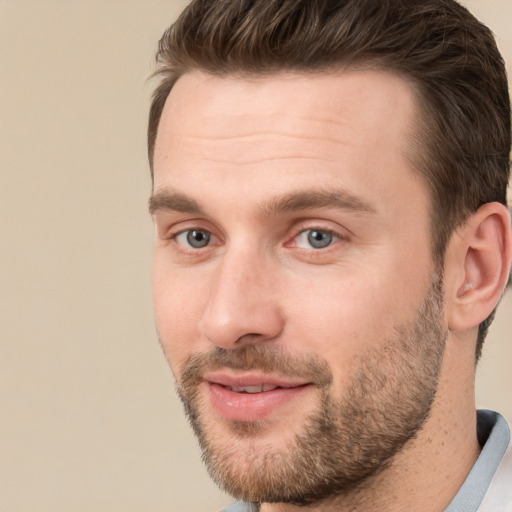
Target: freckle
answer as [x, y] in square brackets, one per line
[429, 440]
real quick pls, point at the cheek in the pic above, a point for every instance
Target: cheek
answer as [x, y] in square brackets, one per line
[344, 322]
[336, 323]
[347, 304]
[178, 305]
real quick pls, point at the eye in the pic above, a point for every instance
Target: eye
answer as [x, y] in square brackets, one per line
[195, 238]
[316, 239]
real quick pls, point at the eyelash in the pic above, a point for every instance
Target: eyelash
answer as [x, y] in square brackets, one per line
[334, 237]
[184, 246]
[187, 232]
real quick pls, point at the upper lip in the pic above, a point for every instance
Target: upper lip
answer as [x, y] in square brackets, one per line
[252, 379]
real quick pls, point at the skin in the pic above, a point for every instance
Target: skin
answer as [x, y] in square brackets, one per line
[227, 152]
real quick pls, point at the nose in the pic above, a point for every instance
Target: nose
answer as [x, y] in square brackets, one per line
[242, 307]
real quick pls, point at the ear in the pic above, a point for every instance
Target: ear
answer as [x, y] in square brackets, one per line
[477, 266]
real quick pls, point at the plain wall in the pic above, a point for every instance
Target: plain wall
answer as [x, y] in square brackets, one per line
[89, 421]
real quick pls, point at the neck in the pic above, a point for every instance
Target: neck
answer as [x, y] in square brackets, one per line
[427, 473]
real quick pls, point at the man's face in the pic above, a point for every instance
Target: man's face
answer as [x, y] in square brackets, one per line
[295, 293]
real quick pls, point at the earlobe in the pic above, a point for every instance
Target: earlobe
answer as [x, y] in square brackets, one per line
[480, 262]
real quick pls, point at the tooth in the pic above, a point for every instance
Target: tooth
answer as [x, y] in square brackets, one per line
[246, 389]
[253, 389]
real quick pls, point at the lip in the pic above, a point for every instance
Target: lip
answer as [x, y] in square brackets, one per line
[245, 407]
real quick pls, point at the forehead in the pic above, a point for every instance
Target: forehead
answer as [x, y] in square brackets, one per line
[296, 103]
[265, 133]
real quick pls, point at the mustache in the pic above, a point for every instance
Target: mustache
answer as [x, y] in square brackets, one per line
[268, 360]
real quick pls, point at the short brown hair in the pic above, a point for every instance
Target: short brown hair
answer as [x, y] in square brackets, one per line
[450, 58]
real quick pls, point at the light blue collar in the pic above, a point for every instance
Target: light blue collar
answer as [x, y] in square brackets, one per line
[494, 436]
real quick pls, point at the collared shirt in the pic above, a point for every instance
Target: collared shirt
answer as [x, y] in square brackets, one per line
[488, 487]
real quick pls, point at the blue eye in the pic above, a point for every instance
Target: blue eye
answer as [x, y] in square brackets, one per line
[316, 239]
[195, 238]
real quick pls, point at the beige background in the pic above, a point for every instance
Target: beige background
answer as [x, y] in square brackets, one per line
[88, 417]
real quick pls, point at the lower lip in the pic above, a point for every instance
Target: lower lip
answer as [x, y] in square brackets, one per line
[251, 406]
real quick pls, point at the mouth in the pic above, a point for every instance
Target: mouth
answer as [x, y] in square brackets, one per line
[261, 388]
[252, 397]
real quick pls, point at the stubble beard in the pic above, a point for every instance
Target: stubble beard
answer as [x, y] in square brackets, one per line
[347, 439]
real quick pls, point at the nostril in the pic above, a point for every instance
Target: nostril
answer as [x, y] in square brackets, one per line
[251, 337]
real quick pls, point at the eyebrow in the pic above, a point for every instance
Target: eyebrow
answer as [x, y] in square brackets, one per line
[169, 200]
[287, 203]
[297, 201]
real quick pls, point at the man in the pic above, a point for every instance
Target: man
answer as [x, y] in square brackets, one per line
[332, 238]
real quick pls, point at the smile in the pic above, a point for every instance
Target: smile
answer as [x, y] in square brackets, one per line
[252, 397]
[262, 388]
